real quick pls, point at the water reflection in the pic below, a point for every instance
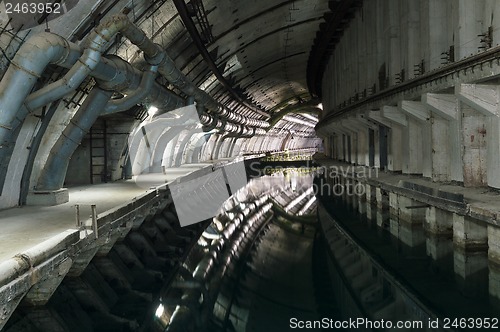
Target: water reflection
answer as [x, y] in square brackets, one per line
[424, 272]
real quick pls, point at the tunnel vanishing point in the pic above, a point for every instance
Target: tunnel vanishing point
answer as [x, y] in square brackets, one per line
[153, 152]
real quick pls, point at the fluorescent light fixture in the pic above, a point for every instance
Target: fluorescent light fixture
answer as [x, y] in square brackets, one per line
[152, 110]
[299, 121]
[159, 310]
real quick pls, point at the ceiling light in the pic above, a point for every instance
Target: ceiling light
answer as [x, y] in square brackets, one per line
[152, 110]
[159, 310]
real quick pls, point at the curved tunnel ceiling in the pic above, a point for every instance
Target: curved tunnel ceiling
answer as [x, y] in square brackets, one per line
[260, 48]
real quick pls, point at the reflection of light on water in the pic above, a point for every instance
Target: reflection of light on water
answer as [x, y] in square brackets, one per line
[160, 310]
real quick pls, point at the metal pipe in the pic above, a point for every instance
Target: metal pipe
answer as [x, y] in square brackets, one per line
[46, 48]
[54, 172]
[155, 55]
[25, 69]
[123, 104]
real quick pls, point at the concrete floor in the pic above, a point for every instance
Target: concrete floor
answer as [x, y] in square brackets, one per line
[27, 226]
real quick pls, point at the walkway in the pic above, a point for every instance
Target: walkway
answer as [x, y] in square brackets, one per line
[27, 226]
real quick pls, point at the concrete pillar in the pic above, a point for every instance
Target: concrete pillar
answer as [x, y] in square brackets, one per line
[418, 138]
[383, 142]
[438, 221]
[409, 210]
[373, 145]
[351, 144]
[494, 244]
[393, 205]
[481, 133]
[399, 123]
[469, 234]
[446, 136]
[360, 146]
[341, 142]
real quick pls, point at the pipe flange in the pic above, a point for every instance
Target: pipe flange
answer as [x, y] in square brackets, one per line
[158, 58]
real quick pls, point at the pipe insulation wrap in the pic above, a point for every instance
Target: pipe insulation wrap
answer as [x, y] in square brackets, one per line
[125, 103]
[53, 174]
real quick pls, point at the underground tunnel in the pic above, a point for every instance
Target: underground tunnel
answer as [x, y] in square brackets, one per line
[203, 165]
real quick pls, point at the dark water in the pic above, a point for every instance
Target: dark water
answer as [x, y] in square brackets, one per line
[450, 282]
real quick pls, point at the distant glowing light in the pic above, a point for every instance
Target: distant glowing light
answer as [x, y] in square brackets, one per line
[160, 310]
[320, 106]
[152, 110]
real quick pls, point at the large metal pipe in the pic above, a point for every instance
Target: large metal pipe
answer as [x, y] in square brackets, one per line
[155, 55]
[46, 48]
[53, 174]
[27, 66]
[132, 99]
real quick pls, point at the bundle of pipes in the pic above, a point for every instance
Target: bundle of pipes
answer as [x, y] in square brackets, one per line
[112, 74]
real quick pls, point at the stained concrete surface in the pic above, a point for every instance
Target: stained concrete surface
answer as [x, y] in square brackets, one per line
[27, 226]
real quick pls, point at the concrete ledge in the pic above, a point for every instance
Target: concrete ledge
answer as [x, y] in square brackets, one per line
[48, 198]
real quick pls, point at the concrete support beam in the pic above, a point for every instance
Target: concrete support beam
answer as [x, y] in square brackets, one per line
[418, 139]
[361, 146]
[446, 136]
[493, 146]
[481, 97]
[412, 148]
[486, 100]
[82, 260]
[444, 105]
[494, 244]
[415, 109]
[438, 222]
[474, 145]
[42, 291]
[378, 117]
[393, 114]
[396, 121]
[469, 234]
[409, 210]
